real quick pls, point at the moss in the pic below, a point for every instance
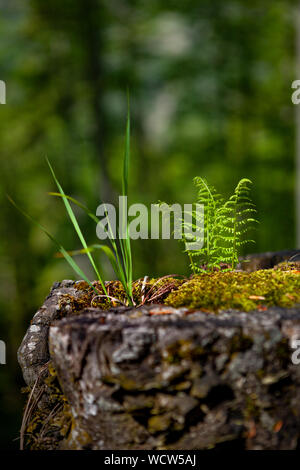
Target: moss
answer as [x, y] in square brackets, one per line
[154, 290]
[51, 420]
[251, 409]
[50, 424]
[82, 285]
[77, 438]
[288, 266]
[213, 291]
[238, 290]
[159, 423]
[182, 349]
[121, 380]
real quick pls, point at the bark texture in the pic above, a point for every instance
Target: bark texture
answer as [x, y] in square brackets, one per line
[161, 378]
[269, 259]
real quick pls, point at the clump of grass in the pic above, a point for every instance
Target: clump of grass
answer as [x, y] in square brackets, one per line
[119, 255]
[238, 290]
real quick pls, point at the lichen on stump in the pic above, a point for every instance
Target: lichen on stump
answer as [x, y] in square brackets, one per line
[157, 377]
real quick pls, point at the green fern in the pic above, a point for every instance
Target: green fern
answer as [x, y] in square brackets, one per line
[233, 221]
[225, 226]
[212, 201]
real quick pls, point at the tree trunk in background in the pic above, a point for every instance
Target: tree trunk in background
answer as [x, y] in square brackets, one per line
[298, 132]
[92, 27]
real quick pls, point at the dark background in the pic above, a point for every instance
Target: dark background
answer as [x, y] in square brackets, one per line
[210, 85]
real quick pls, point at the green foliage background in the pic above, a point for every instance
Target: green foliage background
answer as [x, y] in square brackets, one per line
[210, 85]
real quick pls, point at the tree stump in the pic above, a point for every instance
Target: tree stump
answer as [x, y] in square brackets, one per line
[156, 377]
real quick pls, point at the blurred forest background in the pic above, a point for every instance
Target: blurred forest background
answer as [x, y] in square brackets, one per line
[210, 84]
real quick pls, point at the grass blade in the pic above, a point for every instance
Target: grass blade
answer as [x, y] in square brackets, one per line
[60, 248]
[125, 243]
[90, 248]
[117, 267]
[126, 160]
[76, 226]
[79, 204]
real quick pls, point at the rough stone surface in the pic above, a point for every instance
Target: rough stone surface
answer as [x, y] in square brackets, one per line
[163, 378]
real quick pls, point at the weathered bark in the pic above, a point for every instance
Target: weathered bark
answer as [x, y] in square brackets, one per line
[269, 259]
[158, 377]
[33, 353]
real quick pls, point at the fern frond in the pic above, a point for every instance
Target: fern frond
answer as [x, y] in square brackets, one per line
[226, 225]
[234, 218]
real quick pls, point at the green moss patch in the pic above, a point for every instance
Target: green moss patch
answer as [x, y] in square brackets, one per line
[208, 291]
[238, 290]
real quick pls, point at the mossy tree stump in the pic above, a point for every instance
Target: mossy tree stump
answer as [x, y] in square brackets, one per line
[157, 377]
